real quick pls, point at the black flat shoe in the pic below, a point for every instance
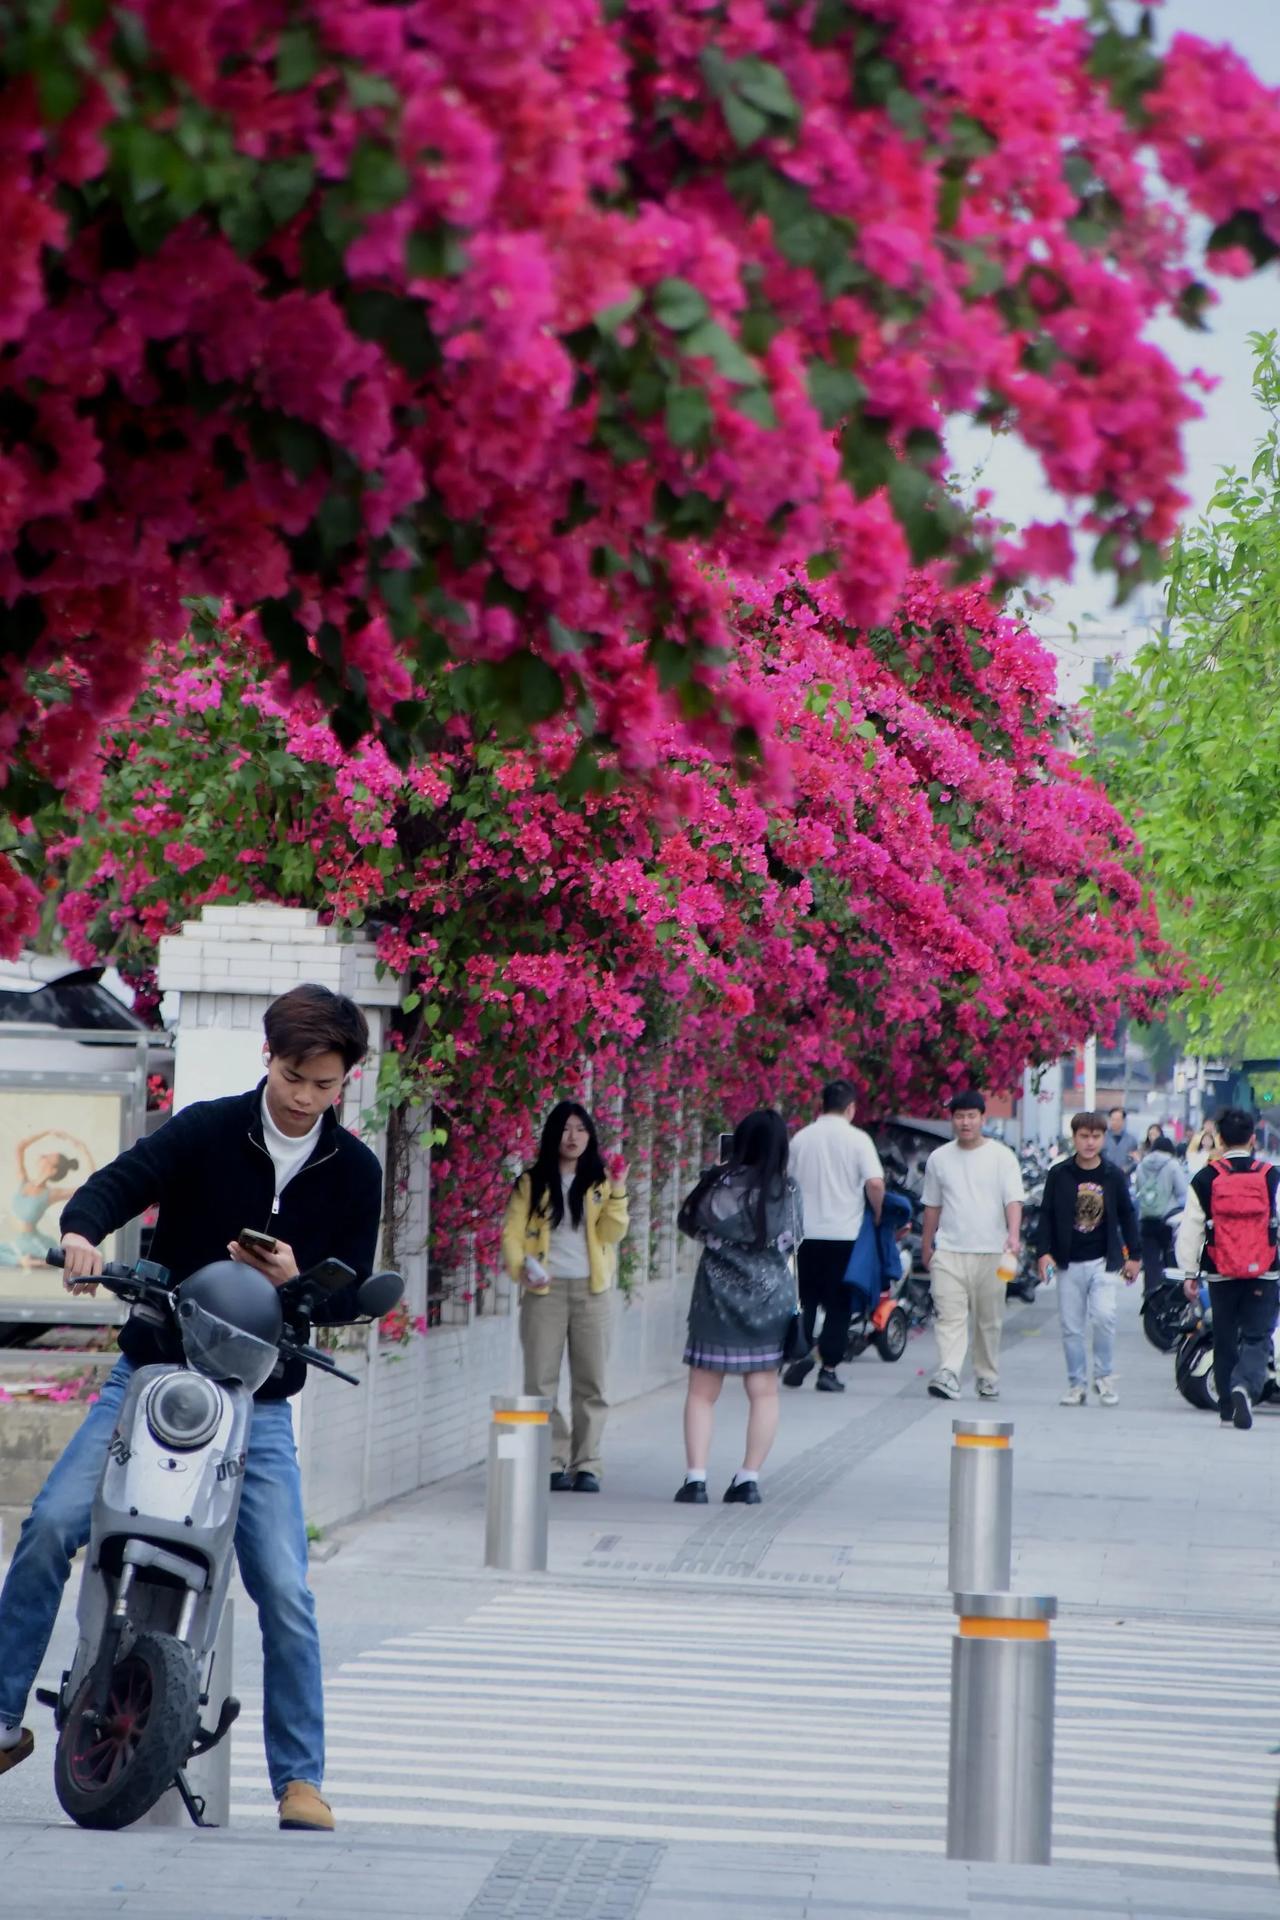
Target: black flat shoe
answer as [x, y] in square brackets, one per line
[585, 1483]
[829, 1381]
[561, 1481]
[743, 1493]
[692, 1494]
[798, 1372]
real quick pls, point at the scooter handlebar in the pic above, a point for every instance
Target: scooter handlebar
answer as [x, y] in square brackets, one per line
[126, 1282]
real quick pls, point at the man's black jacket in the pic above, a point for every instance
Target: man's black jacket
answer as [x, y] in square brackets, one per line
[1057, 1215]
[209, 1171]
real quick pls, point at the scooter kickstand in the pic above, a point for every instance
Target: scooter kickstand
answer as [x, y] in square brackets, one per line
[193, 1802]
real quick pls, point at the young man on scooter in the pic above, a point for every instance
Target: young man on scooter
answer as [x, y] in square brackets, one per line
[1228, 1230]
[275, 1162]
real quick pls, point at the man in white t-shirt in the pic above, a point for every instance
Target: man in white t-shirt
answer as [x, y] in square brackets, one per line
[972, 1215]
[839, 1175]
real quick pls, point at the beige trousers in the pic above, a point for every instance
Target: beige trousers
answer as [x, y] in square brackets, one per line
[967, 1288]
[569, 1314]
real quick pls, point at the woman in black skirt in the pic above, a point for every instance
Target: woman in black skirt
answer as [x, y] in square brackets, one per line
[748, 1216]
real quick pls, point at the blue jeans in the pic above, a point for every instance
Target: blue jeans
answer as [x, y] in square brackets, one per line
[271, 1546]
[1087, 1298]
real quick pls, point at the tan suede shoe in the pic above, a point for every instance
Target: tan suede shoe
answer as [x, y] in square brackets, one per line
[303, 1811]
[12, 1756]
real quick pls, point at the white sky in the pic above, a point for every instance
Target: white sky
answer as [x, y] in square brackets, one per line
[1232, 422]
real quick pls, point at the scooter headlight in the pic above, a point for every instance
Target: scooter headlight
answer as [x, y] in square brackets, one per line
[183, 1410]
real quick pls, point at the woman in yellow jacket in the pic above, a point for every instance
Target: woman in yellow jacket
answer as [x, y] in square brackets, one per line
[564, 1220]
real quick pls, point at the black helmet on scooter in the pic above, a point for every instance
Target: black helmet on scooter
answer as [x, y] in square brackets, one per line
[230, 1321]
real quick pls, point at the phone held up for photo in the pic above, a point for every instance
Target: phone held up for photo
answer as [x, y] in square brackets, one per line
[254, 1242]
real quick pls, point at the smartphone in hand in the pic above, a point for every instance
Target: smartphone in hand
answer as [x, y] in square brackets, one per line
[254, 1242]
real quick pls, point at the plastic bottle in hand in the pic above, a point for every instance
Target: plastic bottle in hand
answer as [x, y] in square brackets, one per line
[536, 1277]
[1007, 1269]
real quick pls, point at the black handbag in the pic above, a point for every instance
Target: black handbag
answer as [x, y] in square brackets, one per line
[795, 1346]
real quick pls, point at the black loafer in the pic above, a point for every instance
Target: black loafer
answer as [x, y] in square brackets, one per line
[585, 1483]
[743, 1493]
[692, 1494]
[829, 1381]
[561, 1481]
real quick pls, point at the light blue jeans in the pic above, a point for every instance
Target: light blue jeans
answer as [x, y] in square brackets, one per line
[1087, 1298]
[271, 1546]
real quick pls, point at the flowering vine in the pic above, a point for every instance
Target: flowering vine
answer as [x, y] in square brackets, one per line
[462, 351]
[940, 895]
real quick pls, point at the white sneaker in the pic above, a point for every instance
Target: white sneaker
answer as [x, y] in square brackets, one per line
[988, 1389]
[1074, 1397]
[1105, 1388]
[944, 1385]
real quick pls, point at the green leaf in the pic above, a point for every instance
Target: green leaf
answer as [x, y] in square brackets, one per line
[821, 566]
[835, 392]
[690, 513]
[710, 341]
[756, 404]
[678, 305]
[435, 254]
[285, 186]
[365, 89]
[610, 318]
[378, 180]
[411, 1003]
[766, 87]
[689, 418]
[906, 113]
[297, 59]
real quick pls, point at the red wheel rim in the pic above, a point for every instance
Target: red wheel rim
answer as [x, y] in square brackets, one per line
[103, 1754]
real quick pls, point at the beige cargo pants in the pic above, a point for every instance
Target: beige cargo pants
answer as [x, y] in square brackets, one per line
[569, 1314]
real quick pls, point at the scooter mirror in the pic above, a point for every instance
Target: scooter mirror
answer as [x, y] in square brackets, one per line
[378, 1294]
[328, 1274]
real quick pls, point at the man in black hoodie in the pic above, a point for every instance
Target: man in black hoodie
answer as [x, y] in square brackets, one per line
[278, 1161]
[1088, 1230]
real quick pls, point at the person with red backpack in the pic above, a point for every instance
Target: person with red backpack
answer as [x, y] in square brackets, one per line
[1228, 1232]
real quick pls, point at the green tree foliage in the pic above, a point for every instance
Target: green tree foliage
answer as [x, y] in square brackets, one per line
[1187, 742]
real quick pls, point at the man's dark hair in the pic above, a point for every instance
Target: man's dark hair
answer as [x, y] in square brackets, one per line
[312, 1019]
[837, 1095]
[1088, 1117]
[1119, 1110]
[1236, 1128]
[1162, 1144]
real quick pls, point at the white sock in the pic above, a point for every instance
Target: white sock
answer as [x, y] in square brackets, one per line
[744, 1474]
[9, 1734]
[695, 1473]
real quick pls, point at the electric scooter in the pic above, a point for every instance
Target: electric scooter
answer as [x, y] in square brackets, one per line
[162, 1531]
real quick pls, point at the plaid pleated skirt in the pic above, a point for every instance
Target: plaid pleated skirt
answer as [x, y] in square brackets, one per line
[720, 1359]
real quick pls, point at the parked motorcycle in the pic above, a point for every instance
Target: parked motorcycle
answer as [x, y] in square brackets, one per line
[1193, 1360]
[163, 1528]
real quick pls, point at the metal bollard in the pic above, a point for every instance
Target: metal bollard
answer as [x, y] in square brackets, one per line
[515, 1528]
[981, 1536]
[209, 1775]
[1000, 1789]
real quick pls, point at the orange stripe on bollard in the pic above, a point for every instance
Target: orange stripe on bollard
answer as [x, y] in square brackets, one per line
[982, 1440]
[521, 1419]
[978, 1627]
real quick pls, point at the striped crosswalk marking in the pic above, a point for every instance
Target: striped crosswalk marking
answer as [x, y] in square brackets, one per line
[693, 1716]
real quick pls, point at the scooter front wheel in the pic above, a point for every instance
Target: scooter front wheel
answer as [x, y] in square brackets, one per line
[110, 1769]
[891, 1341]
